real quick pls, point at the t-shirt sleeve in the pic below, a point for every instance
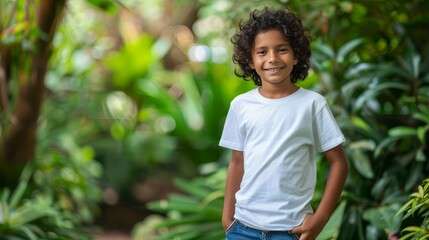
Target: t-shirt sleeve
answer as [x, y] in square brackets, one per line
[231, 137]
[327, 133]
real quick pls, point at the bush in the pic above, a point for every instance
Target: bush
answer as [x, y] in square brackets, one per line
[417, 206]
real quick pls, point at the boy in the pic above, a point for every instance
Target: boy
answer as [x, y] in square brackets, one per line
[274, 132]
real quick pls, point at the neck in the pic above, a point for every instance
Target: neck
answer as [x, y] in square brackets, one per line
[277, 91]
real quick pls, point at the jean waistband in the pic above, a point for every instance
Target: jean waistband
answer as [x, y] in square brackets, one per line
[267, 231]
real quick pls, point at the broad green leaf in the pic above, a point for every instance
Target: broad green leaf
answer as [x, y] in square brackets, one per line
[360, 159]
[105, 5]
[424, 117]
[27, 214]
[117, 130]
[421, 131]
[28, 232]
[414, 176]
[191, 104]
[404, 208]
[362, 163]
[193, 219]
[17, 194]
[193, 189]
[363, 144]
[324, 49]
[161, 47]
[4, 204]
[213, 196]
[347, 48]
[181, 199]
[412, 64]
[407, 236]
[373, 92]
[420, 155]
[136, 57]
[416, 65]
[402, 132]
[414, 229]
[384, 217]
[348, 90]
[155, 95]
[389, 69]
[356, 71]
[165, 206]
[332, 228]
[378, 189]
[386, 143]
[184, 233]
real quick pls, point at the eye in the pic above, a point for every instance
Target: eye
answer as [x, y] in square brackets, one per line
[261, 52]
[283, 50]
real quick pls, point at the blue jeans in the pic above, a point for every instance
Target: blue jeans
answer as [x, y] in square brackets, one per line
[239, 231]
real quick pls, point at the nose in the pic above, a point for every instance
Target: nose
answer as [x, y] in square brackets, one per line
[272, 57]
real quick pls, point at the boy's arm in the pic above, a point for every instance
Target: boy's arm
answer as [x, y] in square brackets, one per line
[233, 181]
[313, 224]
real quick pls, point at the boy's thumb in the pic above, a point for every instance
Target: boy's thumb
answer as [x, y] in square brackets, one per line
[295, 230]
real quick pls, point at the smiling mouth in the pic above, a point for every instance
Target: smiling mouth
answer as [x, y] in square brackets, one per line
[273, 70]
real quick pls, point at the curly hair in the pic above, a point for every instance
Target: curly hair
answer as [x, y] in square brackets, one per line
[260, 21]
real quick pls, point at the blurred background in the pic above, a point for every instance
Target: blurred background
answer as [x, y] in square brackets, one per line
[111, 112]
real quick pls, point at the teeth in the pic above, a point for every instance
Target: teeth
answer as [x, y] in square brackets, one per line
[273, 69]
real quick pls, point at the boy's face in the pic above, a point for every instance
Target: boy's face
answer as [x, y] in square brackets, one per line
[272, 57]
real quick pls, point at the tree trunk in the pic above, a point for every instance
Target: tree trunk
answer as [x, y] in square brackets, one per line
[18, 143]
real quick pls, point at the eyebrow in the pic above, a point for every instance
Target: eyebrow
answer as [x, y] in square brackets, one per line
[286, 44]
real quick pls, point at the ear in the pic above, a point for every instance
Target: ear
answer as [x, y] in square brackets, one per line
[295, 61]
[251, 65]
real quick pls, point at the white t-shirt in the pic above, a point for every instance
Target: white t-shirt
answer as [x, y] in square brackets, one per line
[279, 139]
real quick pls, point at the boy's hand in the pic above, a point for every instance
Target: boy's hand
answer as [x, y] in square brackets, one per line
[226, 223]
[309, 229]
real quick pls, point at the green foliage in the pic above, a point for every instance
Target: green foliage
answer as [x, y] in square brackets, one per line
[381, 114]
[120, 115]
[417, 206]
[58, 192]
[130, 57]
[176, 107]
[332, 228]
[108, 6]
[20, 26]
[380, 107]
[71, 181]
[34, 216]
[376, 82]
[195, 214]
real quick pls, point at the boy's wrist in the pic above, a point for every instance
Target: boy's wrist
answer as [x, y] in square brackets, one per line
[226, 222]
[227, 218]
[322, 217]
